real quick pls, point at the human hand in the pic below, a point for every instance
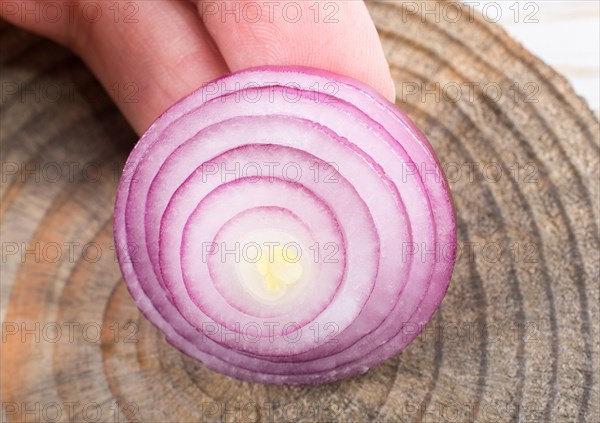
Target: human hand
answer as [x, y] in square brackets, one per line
[164, 49]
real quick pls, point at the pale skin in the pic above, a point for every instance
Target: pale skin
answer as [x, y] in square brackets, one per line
[168, 48]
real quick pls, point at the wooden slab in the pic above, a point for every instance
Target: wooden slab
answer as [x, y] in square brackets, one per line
[516, 339]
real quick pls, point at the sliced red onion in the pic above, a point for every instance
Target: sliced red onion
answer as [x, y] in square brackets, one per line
[285, 216]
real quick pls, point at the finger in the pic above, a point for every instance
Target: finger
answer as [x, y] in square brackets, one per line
[147, 54]
[338, 36]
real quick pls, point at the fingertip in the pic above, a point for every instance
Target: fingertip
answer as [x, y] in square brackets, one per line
[336, 36]
[391, 94]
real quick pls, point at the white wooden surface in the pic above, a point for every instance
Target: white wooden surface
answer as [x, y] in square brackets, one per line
[565, 34]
